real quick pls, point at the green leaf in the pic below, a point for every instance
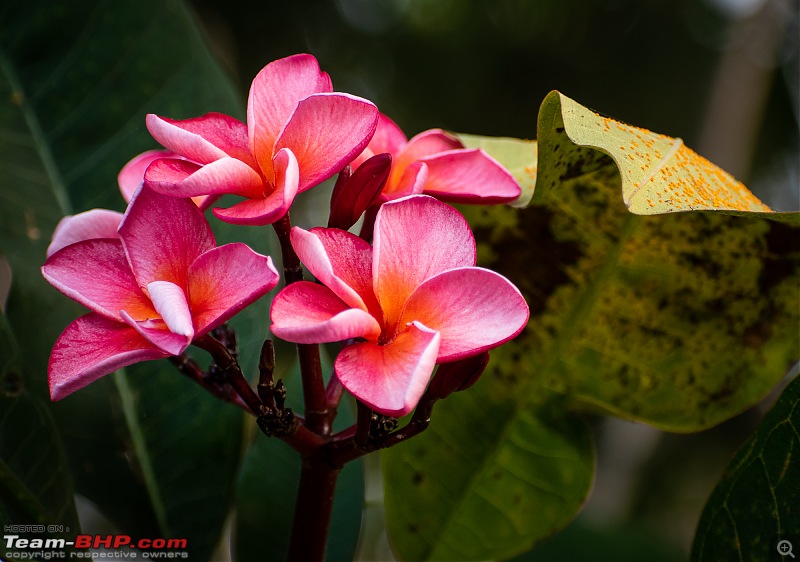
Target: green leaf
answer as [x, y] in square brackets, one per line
[659, 174]
[679, 320]
[756, 502]
[187, 447]
[634, 315]
[35, 484]
[153, 451]
[492, 473]
[517, 156]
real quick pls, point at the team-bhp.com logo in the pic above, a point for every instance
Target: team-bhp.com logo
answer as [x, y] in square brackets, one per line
[18, 547]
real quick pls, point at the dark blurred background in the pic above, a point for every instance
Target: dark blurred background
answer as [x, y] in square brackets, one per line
[721, 74]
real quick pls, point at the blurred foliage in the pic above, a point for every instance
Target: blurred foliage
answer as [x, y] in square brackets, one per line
[35, 484]
[155, 453]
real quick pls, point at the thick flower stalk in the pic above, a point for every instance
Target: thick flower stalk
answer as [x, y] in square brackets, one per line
[153, 289]
[413, 299]
[298, 134]
[436, 163]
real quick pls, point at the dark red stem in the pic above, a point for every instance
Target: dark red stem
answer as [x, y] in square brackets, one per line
[312, 512]
[315, 398]
[230, 368]
[317, 413]
[352, 443]
[292, 268]
[304, 441]
[189, 367]
[334, 391]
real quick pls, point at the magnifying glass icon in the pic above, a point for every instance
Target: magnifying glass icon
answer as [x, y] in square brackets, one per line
[785, 548]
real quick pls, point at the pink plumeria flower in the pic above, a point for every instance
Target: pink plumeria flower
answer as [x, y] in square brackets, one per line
[162, 283]
[437, 164]
[103, 223]
[414, 296]
[298, 134]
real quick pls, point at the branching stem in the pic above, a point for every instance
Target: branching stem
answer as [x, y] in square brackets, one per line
[222, 390]
[229, 367]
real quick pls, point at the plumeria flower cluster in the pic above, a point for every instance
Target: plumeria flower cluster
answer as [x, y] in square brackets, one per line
[402, 297]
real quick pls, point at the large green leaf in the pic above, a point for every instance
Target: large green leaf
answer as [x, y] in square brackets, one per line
[35, 483]
[755, 505]
[635, 316]
[153, 451]
[632, 314]
[492, 473]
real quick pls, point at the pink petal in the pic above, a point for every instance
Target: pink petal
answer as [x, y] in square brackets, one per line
[427, 143]
[412, 182]
[164, 173]
[326, 132]
[225, 280]
[416, 238]
[155, 331]
[132, 173]
[162, 236]
[341, 261]
[93, 346]
[469, 176]
[203, 139]
[255, 212]
[96, 223]
[96, 274]
[473, 309]
[306, 312]
[388, 138]
[274, 96]
[169, 300]
[390, 378]
[180, 178]
[259, 212]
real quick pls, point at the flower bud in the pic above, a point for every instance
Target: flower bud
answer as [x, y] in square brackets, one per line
[353, 193]
[457, 376]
